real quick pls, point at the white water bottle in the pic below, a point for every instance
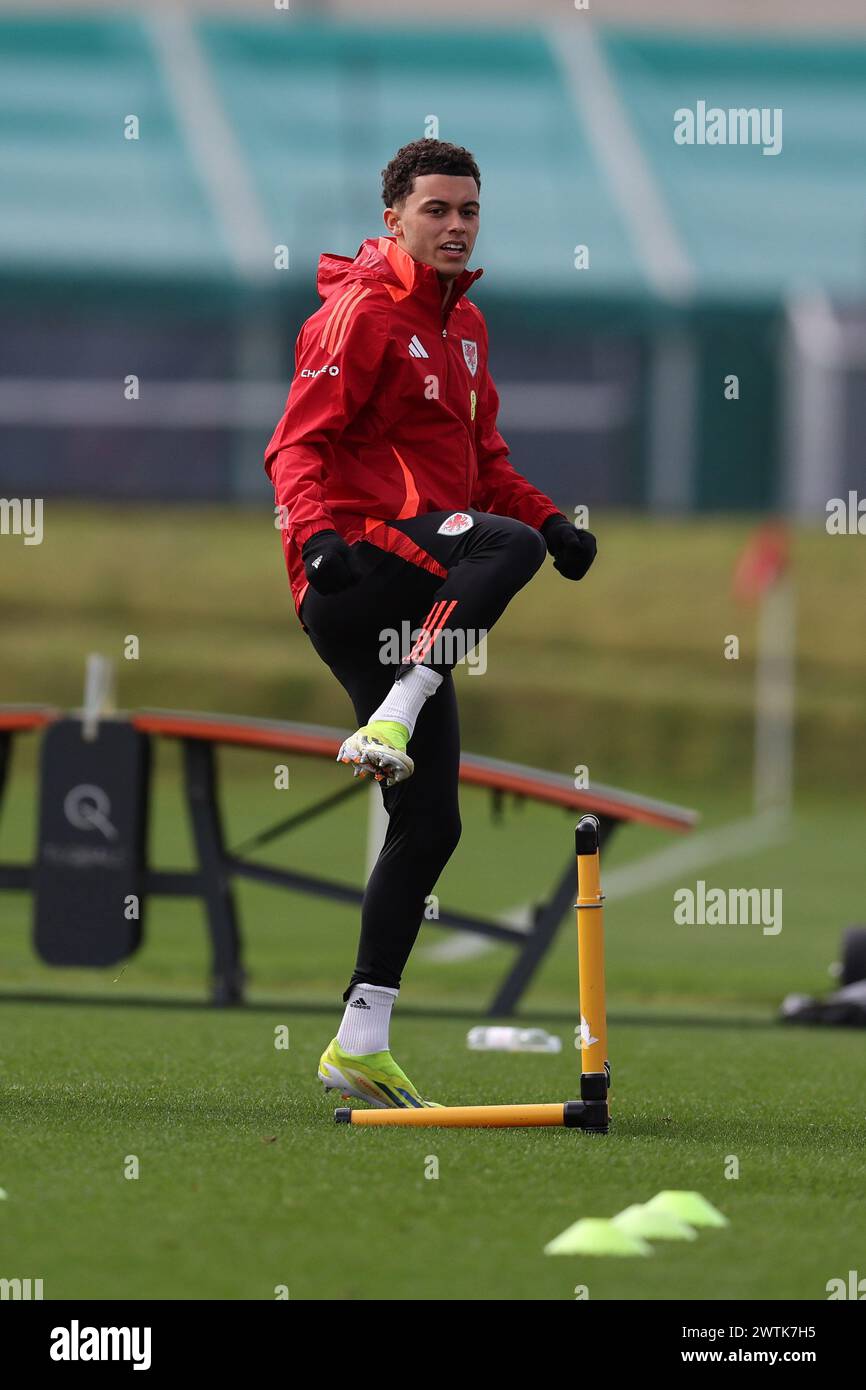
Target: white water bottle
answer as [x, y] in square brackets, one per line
[502, 1039]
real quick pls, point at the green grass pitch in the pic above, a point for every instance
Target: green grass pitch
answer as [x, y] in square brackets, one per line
[245, 1184]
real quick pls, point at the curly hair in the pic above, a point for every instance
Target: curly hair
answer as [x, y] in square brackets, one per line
[424, 157]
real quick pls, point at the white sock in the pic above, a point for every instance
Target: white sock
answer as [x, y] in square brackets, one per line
[367, 1019]
[406, 697]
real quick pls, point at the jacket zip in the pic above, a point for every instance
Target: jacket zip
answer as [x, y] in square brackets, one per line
[467, 487]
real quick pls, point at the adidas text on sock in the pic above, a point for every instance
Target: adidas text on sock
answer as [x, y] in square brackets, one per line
[367, 1020]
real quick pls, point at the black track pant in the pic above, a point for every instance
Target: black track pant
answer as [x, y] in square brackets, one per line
[487, 564]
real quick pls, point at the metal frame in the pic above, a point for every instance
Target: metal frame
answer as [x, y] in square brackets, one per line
[218, 866]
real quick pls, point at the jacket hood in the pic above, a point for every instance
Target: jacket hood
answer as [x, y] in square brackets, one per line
[380, 258]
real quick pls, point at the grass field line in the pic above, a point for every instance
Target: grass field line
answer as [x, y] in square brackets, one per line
[468, 945]
[731, 841]
[740, 837]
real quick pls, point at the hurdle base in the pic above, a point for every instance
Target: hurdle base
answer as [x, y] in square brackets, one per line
[592, 1116]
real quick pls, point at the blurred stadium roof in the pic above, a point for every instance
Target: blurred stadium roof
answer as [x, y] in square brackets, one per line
[272, 131]
[781, 15]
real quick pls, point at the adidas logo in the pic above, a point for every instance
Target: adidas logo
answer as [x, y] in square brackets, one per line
[416, 349]
[359, 1004]
[317, 562]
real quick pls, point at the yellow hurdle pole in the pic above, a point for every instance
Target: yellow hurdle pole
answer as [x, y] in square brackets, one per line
[460, 1116]
[591, 1112]
[594, 1081]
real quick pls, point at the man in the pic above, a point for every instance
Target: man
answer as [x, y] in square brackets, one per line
[403, 513]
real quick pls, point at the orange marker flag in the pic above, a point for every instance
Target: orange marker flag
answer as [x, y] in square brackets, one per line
[764, 559]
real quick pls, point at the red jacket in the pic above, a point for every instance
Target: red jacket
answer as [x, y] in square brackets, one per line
[391, 413]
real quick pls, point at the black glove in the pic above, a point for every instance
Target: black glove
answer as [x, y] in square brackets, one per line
[329, 563]
[573, 551]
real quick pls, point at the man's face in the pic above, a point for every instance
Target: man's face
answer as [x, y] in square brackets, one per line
[438, 222]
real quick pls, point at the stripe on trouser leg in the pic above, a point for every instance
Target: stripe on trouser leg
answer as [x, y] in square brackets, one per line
[431, 628]
[414, 655]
